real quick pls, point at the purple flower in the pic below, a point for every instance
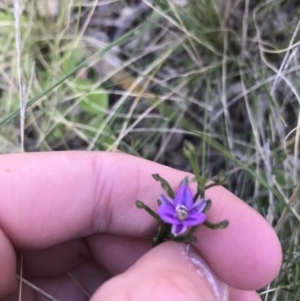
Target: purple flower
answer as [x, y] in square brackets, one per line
[182, 212]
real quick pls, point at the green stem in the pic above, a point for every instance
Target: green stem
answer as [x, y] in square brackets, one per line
[161, 234]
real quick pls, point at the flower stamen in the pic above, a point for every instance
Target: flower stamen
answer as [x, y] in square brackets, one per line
[181, 212]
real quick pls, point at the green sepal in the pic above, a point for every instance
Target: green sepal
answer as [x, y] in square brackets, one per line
[211, 185]
[165, 185]
[208, 206]
[221, 225]
[141, 205]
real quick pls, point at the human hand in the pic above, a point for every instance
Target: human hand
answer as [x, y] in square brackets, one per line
[73, 215]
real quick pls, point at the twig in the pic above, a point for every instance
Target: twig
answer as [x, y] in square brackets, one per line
[79, 285]
[21, 278]
[42, 292]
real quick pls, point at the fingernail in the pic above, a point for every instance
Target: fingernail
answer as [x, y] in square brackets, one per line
[219, 288]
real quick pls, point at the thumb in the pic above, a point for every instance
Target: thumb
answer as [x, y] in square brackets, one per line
[170, 271]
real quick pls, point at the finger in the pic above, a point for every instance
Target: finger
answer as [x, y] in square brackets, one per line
[248, 243]
[238, 295]
[8, 280]
[113, 253]
[164, 273]
[56, 259]
[27, 295]
[77, 284]
[60, 196]
[117, 253]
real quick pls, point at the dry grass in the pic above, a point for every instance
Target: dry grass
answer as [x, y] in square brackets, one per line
[228, 69]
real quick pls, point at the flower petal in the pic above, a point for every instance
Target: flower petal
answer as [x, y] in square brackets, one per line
[184, 196]
[194, 218]
[165, 200]
[178, 229]
[200, 205]
[168, 215]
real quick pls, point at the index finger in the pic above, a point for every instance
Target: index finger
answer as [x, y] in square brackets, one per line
[47, 198]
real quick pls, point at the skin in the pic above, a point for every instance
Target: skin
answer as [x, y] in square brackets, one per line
[75, 212]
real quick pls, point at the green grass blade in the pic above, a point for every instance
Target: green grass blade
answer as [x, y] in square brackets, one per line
[119, 41]
[221, 149]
